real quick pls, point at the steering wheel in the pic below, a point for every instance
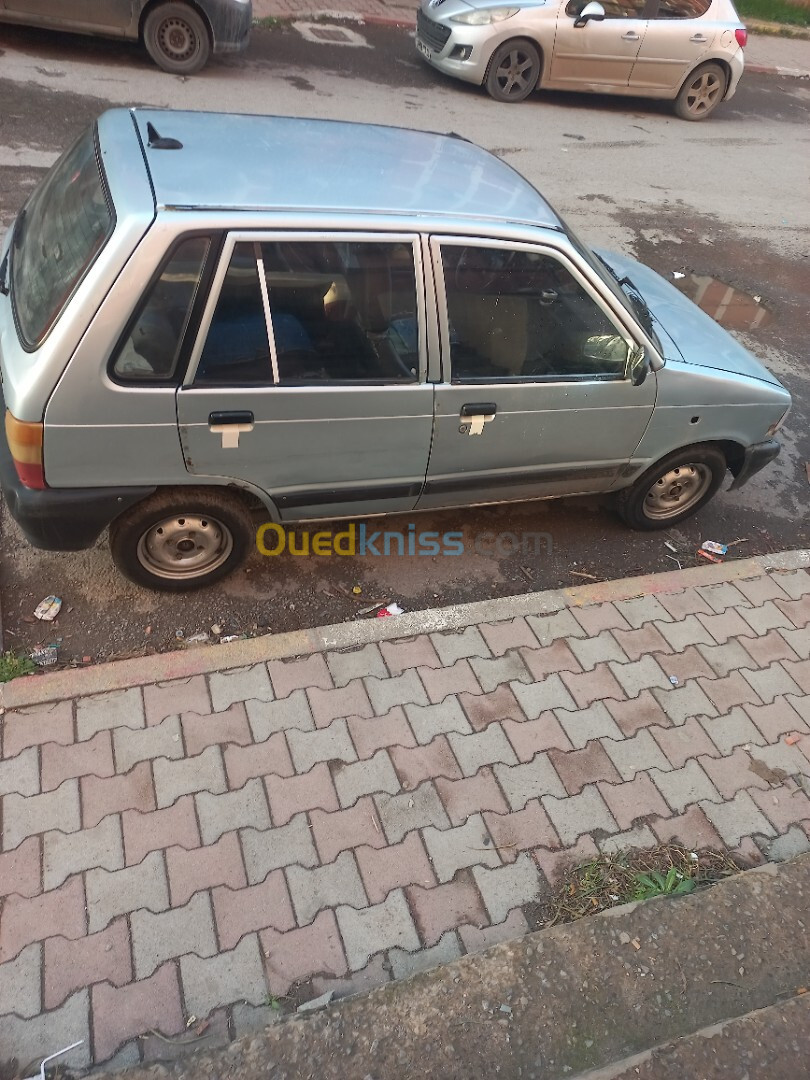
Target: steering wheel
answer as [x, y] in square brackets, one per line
[485, 273]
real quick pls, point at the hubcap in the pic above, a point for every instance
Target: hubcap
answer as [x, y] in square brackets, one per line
[177, 39]
[186, 546]
[514, 72]
[677, 490]
[703, 93]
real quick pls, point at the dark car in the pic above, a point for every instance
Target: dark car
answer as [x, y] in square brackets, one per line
[178, 36]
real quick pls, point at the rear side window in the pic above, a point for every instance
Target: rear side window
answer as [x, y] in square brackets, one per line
[682, 9]
[60, 231]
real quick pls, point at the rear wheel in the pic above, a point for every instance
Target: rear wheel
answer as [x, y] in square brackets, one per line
[701, 93]
[176, 38]
[674, 489]
[181, 540]
[514, 71]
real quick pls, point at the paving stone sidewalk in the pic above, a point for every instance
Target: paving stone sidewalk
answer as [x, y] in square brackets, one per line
[204, 846]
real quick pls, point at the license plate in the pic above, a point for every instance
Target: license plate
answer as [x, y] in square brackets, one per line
[423, 49]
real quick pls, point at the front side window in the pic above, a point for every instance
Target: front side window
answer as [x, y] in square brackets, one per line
[523, 315]
[339, 311]
[614, 9]
[57, 236]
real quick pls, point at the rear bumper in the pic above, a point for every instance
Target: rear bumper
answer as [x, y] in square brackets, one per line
[756, 457]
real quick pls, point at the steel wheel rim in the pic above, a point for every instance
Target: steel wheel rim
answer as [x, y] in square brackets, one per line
[511, 72]
[677, 490]
[185, 546]
[177, 39]
[703, 93]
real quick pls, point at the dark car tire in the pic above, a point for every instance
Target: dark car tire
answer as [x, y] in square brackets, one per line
[514, 71]
[674, 488]
[176, 38]
[701, 93]
[182, 539]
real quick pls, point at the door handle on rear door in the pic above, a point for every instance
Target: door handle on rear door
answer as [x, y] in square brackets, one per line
[230, 425]
[478, 413]
[701, 38]
[631, 35]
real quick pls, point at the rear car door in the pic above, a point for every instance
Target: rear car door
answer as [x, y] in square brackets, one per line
[308, 380]
[679, 33]
[536, 398]
[599, 53]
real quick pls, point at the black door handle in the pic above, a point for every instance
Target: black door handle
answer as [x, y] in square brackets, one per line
[217, 419]
[479, 408]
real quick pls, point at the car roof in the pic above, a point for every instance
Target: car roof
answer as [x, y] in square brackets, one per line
[236, 161]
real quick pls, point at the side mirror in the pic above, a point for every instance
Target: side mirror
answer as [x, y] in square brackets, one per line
[593, 11]
[639, 366]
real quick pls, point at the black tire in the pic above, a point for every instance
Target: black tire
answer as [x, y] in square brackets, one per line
[176, 38]
[687, 479]
[701, 93]
[182, 539]
[514, 71]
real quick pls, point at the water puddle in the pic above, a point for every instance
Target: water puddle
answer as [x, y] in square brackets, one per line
[732, 308]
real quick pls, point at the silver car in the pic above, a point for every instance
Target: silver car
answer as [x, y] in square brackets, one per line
[179, 35]
[687, 51]
[197, 320]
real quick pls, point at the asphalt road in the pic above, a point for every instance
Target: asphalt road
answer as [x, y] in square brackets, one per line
[721, 199]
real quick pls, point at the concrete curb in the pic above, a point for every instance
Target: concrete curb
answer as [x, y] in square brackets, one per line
[164, 667]
[790, 73]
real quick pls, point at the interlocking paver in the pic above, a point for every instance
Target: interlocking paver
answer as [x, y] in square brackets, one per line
[521, 831]
[200, 868]
[72, 965]
[680, 787]
[477, 940]
[579, 814]
[20, 870]
[506, 635]
[20, 775]
[32, 727]
[110, 795]
[520, 783]
[404, 964]
[408, 653]
[733, 773]
[151, 1004]
[21, 983]
[374, 974]
[592, 686]
[791, 760]
[445, 907]
[60, 911]
[681, 702]
[537, 698]
[642, 609]
[561, 624]
[143, 744]
[172, 698]
[345, 829]
[594, 618]
[798, 611]
[500, 671]
[391, 867]
[640, 836]
[451, 850]
[348, 664]
[633, 644]
[578, 768]
[686, 602]
[555, 863]
[595, 722]
[289, 795]
[634, 799]
[765, 617]
[268, 717]
[482, 748]
[631, 756]
[401, 814]
[218, 814]
[439, 682]
[243, 763]
[205, 772]
[776, 680]
[759, 589]
[794, 842]
[723, 659]
[110, 894]
[258, 907]
[771, 646]
[506, 887]
[688, 631]
[298, 954]
[691, 828]
[290, 675]
[338, 882]
[484, 709]
[452, 645]
[116, 708]
[783, 808]
[462, 798]
[425, 762]
[332, 743]
[60, 763]
[737, 818]
[370, 734]
[723, 595]
[233, 975]
[241, 684]
[25, 816]
[143, 833]
[364, 778]
[348, 700]
[373, 929]
[530, 737]
[427, 721]
[227, 727]
[778, 718]
[687, 741]
[402, 690]
[734, 729]
[637, 713]
[559, 656]
[160, 937]
[287, 845]
[62, 1026]
[799, 671]
[639, 675]
[795, 583]
[730, 691]
[65, 854]
[689, 664]
[588, 652]
[721, 627]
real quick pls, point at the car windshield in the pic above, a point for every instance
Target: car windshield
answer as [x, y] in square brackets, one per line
[58, 234]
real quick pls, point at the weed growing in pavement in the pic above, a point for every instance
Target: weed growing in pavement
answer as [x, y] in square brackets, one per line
[11, 666]
[655, 884]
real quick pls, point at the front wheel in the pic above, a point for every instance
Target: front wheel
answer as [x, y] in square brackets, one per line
[514, 71]
[181, 540]
[674, 489]
[701, 93]
[176, 38]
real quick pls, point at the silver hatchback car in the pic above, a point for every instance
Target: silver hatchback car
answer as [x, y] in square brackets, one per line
[688, 51]
[198, 320]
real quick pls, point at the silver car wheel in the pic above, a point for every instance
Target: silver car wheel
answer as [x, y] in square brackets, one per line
[515, 73]
[677, 490]
[703, 94]
[185, 546]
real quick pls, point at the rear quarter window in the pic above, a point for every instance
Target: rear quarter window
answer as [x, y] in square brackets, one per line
[59, 233]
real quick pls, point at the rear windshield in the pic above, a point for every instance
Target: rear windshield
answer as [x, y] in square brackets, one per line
[58, 234]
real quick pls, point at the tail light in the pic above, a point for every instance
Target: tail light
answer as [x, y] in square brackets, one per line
[25, 443]
[741, 34]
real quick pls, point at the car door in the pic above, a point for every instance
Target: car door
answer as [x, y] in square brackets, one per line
[598, 54]
[109, 15]
[308, 380]
[536, 399]
[679, 33]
